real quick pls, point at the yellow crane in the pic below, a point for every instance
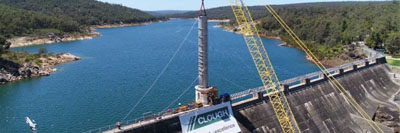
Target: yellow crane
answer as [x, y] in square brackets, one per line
[264, 67]
[267, 74]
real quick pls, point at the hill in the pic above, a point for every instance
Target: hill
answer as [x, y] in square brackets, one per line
[20, 22]
[260, 11]
[85, 12]
[326, 27]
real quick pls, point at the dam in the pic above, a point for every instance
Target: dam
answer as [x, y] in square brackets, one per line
[117, 68]
[317, 106]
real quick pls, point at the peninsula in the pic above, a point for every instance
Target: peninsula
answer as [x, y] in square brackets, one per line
[17, 66]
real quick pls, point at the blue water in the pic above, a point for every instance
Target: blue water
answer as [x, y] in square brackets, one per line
[117, 68]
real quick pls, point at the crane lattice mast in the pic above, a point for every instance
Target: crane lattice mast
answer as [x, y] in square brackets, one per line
[264, 67]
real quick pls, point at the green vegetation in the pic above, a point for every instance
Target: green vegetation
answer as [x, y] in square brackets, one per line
[21, 57]
[85, 12]
[19, 22]
[25, 57]
[327, 29]
[40, 17]
[392, 43]
[328, 26]
[393, 62]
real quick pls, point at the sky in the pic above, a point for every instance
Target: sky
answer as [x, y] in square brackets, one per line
[155, 5]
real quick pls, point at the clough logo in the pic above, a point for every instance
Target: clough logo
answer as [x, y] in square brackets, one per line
[214, 119]
[208, 118]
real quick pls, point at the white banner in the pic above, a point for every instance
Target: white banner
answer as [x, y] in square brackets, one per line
[214, 119]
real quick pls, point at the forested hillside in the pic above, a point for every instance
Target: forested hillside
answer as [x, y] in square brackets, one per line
[261, 11]
[20, 22]
[87, 12]
[326, 27]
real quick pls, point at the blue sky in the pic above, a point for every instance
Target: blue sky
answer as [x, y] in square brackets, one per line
[152, 5]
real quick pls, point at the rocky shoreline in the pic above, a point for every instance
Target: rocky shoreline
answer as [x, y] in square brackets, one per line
[219, 20]
[10, 71]
[51, 38]
[93, 27]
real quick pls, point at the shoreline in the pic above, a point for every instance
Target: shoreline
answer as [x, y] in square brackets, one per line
[40, 40]
[237, 31]
[108, 26]
[30, 41]
[210, 20]
[219, 20]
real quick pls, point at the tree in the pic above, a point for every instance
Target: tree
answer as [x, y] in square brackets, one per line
[374, 40]
[371, 41]
[4, 44]
[392, 43]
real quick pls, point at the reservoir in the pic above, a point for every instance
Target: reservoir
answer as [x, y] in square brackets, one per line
[117, 68]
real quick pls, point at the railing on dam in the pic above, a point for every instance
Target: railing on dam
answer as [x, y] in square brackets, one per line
[146, 116]
[149, 116]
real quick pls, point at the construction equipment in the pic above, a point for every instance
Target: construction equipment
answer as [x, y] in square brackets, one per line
[197, 105]
[182, 108]
[264, 67]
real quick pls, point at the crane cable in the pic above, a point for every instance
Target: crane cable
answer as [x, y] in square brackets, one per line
[332, 79]
[162, 71]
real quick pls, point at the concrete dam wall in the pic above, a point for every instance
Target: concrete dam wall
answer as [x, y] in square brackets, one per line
[317, 106]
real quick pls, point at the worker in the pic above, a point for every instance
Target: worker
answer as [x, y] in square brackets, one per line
[118, 124]
[169, 111]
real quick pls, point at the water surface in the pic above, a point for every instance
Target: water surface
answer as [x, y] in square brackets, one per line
[117, 68]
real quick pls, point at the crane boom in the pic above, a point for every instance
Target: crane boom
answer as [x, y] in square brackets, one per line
[264, 67]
